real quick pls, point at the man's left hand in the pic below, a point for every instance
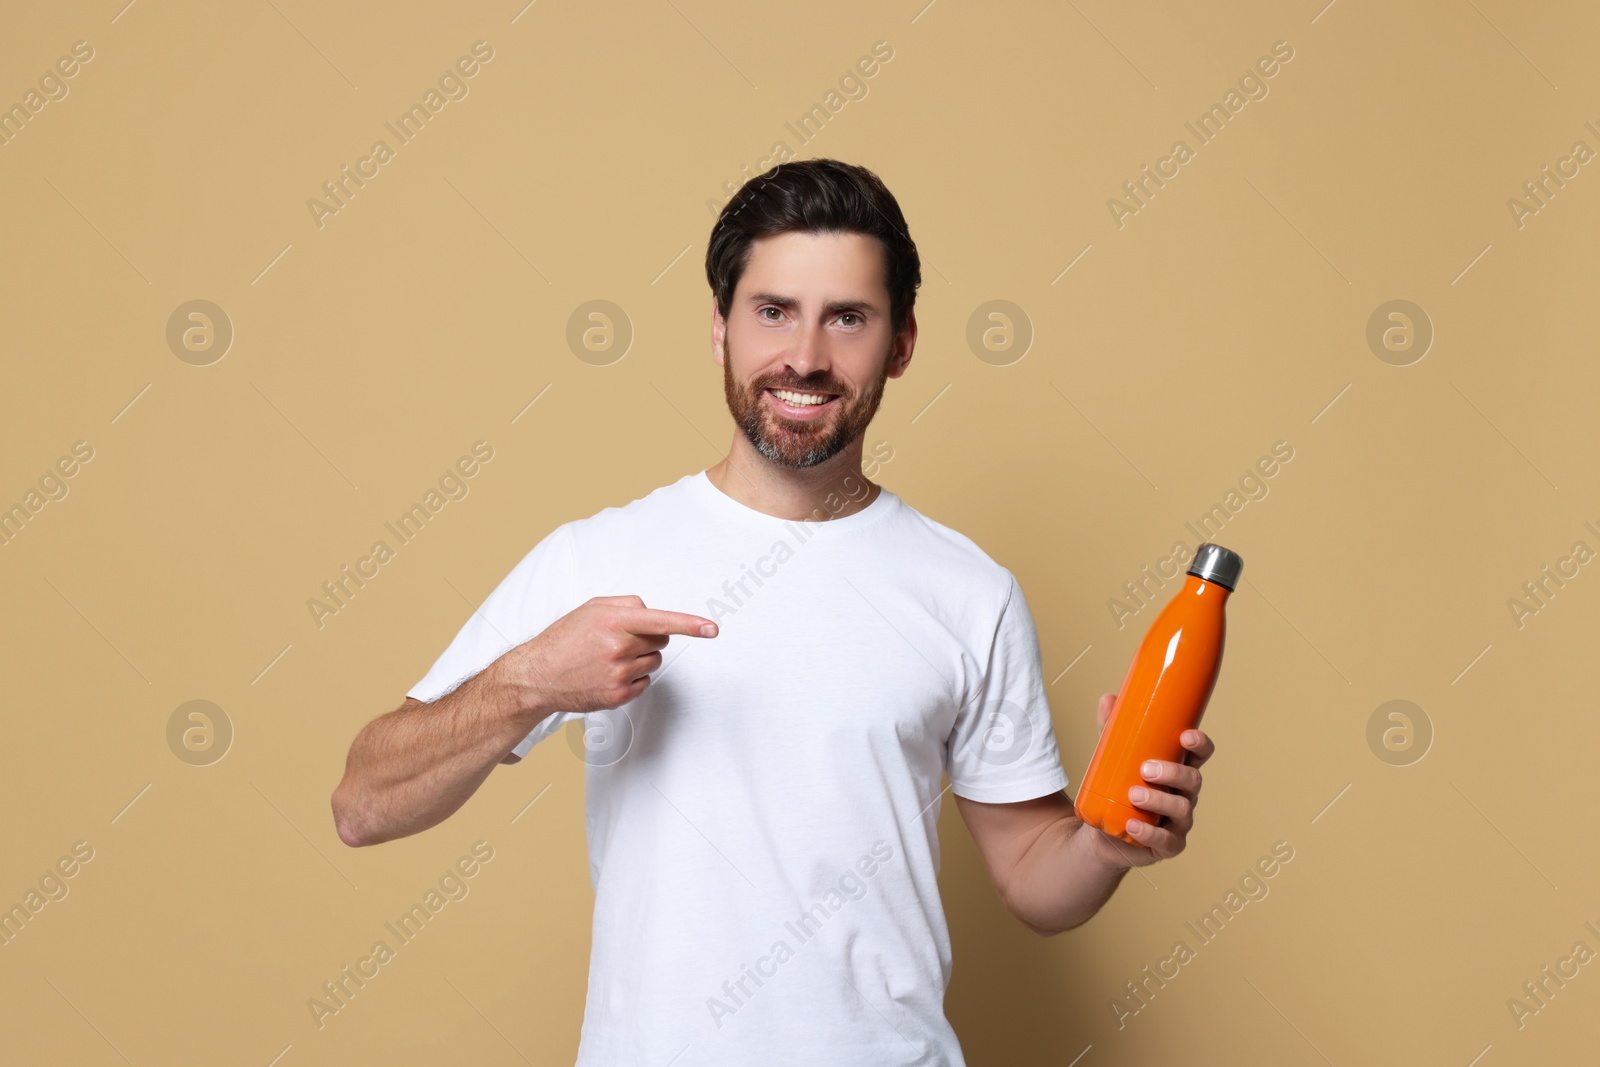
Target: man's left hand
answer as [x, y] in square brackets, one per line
[1170, 798]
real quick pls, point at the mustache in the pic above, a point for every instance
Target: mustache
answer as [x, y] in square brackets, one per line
[814, 384]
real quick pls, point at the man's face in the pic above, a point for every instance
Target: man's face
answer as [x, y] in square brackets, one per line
[806, 347]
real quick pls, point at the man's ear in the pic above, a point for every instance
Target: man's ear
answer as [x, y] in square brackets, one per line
[904, 342]
[719, 331]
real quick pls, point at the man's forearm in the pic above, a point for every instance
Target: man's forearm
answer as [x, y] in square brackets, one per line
[412, 768]
[1063, 879]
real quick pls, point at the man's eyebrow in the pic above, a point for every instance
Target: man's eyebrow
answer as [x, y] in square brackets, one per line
[789, 303]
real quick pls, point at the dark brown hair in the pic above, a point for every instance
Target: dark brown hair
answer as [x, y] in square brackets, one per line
[814, 196]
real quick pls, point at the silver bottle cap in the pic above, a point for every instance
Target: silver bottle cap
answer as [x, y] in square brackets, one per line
[1213, 563]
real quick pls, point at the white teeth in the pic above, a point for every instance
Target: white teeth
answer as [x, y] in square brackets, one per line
[799, 399]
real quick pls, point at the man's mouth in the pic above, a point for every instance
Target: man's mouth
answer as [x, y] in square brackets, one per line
[799, 403]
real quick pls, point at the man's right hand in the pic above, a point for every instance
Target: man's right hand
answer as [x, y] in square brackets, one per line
[598, 656]
[410, 769]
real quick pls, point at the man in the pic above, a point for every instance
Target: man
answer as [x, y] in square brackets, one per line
[763, 775]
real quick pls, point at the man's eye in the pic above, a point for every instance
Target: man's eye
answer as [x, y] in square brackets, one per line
[768, 308]
[849, 315]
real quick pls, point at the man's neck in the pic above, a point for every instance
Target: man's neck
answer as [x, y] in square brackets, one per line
[830, 490]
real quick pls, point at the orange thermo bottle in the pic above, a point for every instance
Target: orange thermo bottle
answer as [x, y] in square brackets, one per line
[1164, 694]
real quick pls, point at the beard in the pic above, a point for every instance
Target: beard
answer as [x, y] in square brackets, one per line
[789, 442]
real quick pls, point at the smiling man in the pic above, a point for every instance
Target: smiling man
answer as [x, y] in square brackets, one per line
[763, 795]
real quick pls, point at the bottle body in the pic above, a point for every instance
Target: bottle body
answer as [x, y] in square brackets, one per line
[1165, 693]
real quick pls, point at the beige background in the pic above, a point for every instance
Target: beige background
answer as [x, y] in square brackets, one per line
[1228, 314]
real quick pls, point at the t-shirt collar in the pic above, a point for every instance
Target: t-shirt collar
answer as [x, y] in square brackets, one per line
[704, 487]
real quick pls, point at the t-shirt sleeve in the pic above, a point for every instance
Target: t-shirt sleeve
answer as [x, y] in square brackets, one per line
[1002, 748]
[538, 591]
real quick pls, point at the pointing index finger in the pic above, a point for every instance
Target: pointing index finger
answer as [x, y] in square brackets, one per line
[658, 621]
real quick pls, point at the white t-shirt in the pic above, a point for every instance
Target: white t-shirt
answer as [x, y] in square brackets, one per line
[762, 819]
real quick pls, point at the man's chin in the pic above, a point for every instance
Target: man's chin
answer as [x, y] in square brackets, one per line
[794, 459]
[797, 451]
[799, 435]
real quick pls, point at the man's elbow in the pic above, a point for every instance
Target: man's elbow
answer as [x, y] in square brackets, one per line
[347, 821]
[1050, 931]
[1042, 931]
[349, 835]
[1039, 926]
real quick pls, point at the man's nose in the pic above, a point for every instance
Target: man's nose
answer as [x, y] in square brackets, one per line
[810, 353]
